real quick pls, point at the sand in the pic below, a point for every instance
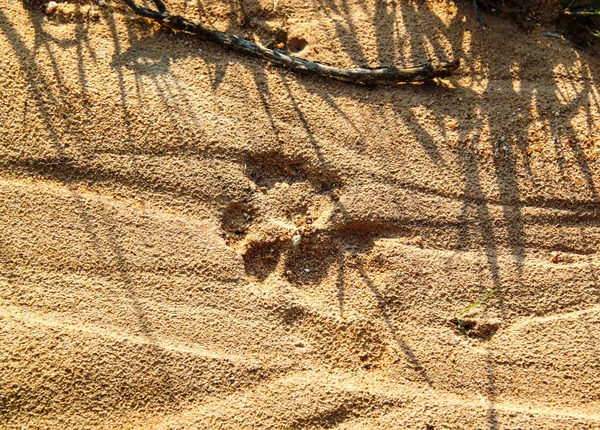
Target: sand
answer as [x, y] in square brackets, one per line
[190, 239]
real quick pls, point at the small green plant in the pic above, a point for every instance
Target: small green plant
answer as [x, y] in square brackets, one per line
[472, 306]
[586, 15]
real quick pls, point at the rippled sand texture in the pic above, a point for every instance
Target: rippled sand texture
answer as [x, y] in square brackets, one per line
[191, 240]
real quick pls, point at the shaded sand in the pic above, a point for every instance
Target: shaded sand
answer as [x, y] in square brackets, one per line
[190, 240]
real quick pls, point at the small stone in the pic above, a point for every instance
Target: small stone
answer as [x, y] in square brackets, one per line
[296, 240]
[51, 7]
[555, 256]
[307, 270]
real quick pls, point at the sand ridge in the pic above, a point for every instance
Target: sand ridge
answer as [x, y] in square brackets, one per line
[190, 239]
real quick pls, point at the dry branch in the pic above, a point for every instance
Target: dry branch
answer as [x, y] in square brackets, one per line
[367, 76]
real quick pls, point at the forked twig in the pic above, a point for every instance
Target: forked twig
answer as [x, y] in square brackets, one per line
[368, 76]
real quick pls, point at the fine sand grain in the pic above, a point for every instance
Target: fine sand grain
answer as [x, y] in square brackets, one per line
[190, 239]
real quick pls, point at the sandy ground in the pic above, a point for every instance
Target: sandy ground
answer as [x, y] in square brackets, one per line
[191, 240]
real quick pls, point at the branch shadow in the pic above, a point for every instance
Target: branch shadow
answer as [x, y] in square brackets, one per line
[403, 33]
[381, 303]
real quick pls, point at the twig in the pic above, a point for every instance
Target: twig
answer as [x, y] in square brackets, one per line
[367, 76]
[478, 14]
[160, 6]
[550, 34]
[585, 12]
